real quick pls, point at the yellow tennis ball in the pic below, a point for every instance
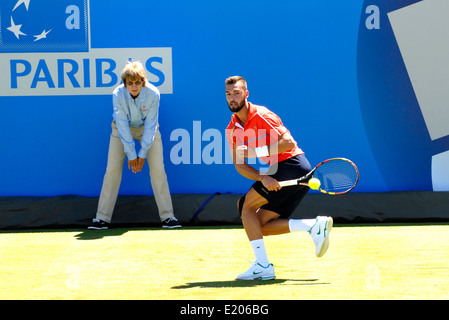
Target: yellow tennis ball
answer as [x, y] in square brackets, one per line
[314, 184]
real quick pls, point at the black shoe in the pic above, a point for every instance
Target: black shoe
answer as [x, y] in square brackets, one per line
[171, 223]
[98, 224]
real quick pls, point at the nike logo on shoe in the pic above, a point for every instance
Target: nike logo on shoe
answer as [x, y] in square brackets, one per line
[256, 273]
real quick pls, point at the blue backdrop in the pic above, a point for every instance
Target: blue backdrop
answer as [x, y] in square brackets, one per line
[323, 66]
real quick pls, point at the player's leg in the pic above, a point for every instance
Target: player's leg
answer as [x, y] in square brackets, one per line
[272, 224]
[251, 222]
[318, 227]
[262, 269]
[260, 221]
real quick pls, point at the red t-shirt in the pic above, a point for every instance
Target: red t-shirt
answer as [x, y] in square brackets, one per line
[262, 128]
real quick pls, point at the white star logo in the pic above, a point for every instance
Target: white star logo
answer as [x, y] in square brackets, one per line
[16, 29]
[43, 35]
[19, 2]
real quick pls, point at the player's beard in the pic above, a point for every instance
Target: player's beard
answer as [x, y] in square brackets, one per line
[236, 107]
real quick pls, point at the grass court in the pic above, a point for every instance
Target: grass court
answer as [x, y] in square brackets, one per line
[384, 261]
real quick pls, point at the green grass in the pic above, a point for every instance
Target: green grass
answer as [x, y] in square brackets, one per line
[363, 262]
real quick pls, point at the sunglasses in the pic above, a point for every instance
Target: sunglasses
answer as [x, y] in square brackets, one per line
[130, 83]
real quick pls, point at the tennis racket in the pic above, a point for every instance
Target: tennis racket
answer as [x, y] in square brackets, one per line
[336, 175]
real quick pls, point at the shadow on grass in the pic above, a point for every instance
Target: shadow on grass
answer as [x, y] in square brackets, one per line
[252, 283]
[98, 234]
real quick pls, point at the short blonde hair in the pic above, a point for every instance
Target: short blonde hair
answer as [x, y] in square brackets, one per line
[133, 71]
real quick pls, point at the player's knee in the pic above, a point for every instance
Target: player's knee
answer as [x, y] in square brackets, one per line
[265, 231]
[247, 211]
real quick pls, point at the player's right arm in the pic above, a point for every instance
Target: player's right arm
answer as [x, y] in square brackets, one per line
[238, 157]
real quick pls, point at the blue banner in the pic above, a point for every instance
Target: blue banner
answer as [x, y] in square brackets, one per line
[364, 80]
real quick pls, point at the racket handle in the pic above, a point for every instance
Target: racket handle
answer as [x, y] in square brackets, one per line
[287, 183]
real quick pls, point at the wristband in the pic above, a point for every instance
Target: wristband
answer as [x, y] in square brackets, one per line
[262, 151]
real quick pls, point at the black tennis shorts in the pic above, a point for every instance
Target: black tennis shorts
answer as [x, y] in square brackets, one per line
[286, 200]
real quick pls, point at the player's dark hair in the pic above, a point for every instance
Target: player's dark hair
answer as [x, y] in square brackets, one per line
[235, 79]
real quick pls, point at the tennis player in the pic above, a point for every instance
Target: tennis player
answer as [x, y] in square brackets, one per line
[136, 114]
[255, 131]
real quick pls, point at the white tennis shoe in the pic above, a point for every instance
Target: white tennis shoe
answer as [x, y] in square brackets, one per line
[320, 234]
[258, 272]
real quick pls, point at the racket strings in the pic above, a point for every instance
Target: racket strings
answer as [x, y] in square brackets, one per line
[336, 175]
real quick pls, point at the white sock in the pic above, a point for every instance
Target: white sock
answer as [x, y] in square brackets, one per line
[259, 251]
[301, 224]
